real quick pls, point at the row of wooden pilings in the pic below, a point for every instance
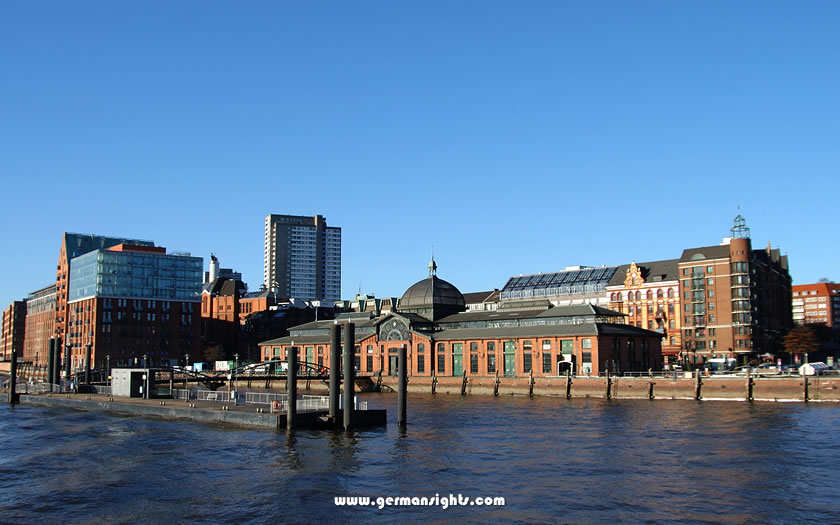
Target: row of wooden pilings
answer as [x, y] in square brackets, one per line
[349, 370]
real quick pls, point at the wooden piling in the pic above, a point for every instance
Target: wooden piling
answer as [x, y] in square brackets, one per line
[51, 361]
[349, 374]
[402, 386]
[464, 383]
[496, 384]
[291, 387]
[698, 386]
[569, 383]
[335, 366]
[87, 363]
[805, 387]
[609, 384]
[749, 386]
[531, 384]
[56, 379]
[13, 378]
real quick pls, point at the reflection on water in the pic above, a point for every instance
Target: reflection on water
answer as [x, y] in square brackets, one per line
[554, 460]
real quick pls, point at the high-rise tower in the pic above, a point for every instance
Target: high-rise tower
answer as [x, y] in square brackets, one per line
[302, 258]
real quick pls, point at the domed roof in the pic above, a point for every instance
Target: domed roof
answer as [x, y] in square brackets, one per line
[431, 291]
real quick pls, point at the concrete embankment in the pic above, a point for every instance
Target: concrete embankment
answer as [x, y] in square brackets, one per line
[735, 388]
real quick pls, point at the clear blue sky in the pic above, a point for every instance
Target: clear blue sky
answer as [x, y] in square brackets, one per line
[515, 137]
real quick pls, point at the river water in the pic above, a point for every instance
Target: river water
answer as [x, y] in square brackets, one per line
[553, 461]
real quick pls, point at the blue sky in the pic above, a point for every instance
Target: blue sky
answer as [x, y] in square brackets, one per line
[515, 137]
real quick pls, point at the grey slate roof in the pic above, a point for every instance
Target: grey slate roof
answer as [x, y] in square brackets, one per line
[706, 252]
[574, 310]
[653, 271]
[481, 297]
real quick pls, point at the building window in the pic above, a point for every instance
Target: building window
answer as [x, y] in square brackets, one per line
[474, 362]
[369, 362]
[546, 362]
[491, 362]
[441, 359]
[421, 363]
[526, 362]
[586, 342]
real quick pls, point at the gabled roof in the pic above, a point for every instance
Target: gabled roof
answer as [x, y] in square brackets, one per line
[481, 297]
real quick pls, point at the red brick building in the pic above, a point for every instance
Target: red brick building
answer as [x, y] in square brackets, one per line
[817, 303]
[518, 339]
[13, 330]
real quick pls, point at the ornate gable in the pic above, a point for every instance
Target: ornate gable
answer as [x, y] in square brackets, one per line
[634, 277]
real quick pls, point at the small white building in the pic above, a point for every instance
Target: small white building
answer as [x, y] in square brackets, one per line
[813, 369]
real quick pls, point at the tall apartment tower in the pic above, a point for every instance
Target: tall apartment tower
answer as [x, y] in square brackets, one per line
[302, 257]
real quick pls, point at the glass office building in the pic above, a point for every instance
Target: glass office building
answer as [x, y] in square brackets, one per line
[105, 273]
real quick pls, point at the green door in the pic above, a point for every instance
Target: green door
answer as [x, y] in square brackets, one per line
[510, 358]
[392, 365]
[309, 359]
[457, 359]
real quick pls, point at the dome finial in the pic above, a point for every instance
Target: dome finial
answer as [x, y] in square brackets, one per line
[432, 265]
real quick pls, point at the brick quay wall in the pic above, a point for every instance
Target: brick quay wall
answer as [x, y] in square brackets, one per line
[735, 388]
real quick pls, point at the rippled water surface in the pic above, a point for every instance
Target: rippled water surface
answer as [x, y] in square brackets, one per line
[553, 460]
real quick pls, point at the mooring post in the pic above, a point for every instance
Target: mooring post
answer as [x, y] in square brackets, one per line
[464, 384]
[171, 380]
[402, 385]
[434, 380]
[50, 362]
[609, 384]
[13, 378]
[569, 383]
[698, 386]
[291, 387]
[805, 387]
[496, 384]
[349, 374]
[87, 363]
[67, 363]
[335, 367]
[531, 384]
[749, 386]
[56, 379]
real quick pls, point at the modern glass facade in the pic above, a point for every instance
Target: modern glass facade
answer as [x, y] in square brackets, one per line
[104, 273]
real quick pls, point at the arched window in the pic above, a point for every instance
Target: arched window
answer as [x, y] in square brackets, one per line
[649, 295]
[660, 294]
[670, 292]
[638, 295]
[612, 296]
